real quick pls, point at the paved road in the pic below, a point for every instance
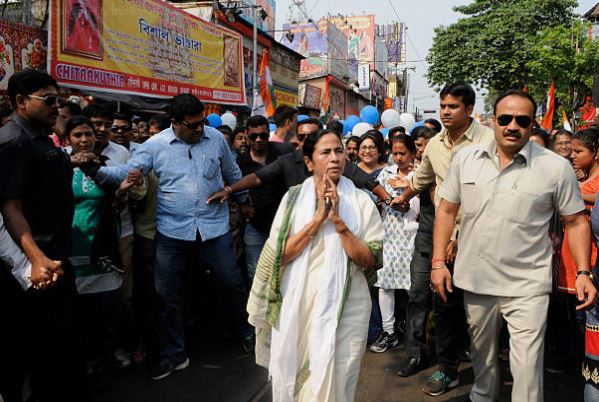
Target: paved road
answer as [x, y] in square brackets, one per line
[221, 372]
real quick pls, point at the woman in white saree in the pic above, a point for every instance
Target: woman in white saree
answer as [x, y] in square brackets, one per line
[309, 301]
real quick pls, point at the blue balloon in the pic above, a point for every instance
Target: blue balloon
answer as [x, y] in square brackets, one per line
[272, 127]
[350, 122]
[420, 123]
[369, 114]
[214, 120]
[302, 117]
[385, 132]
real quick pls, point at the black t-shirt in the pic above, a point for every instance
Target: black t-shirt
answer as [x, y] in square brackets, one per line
[267, 197]
[290, 170]
[40, 175]
[426, 223]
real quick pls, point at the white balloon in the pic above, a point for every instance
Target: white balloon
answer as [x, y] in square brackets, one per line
[361, 129]
[230, 120]
[407, 121]
[390, 118]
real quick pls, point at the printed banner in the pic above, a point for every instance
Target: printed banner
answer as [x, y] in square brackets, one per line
[21, 47]
[144, 47]
[286, 98]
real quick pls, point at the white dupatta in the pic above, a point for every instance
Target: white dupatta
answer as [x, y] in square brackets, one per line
[284, 354]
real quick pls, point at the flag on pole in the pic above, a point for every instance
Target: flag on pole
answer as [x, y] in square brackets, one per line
[566, 122]
[325, 111]
[266, 86]
[548, 118]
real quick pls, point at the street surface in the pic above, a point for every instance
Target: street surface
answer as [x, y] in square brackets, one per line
[221, 372]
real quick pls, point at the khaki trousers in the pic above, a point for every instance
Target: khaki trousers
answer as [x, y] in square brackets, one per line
[527, 319]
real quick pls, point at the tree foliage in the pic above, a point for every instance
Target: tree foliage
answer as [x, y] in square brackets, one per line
[491, 45]
[564, 55]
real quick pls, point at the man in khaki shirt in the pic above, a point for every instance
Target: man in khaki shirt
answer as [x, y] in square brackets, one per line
[509, 189]
[460, 130]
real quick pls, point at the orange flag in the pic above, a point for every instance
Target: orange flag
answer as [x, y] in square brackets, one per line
[548, 118]
[266, 86]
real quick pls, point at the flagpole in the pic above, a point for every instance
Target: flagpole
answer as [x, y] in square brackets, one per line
[254, 66]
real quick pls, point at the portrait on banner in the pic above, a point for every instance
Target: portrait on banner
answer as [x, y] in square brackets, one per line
[82, 28]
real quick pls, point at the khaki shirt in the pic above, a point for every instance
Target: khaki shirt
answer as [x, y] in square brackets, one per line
[439, 153]
[504, 241]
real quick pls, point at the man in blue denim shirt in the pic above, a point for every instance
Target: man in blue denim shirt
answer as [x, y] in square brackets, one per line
[191, 162]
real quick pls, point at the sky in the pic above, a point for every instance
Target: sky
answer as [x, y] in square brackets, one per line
[420, 16]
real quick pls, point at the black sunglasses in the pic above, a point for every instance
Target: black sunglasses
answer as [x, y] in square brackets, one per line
[263, 136]
[194, 126]
[49, 100]
[505, 119]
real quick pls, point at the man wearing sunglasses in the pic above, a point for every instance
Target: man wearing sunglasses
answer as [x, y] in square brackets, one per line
[102, 119]
[265, 199]
[191, 162]
[37, 204]
[509, 190]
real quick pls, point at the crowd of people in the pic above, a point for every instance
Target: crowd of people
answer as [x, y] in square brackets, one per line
[318, 244]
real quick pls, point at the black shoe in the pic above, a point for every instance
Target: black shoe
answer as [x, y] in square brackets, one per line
[249, 345]
[409, 367]
[164, 370]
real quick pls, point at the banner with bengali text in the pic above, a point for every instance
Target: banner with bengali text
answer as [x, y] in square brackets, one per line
[144, 47]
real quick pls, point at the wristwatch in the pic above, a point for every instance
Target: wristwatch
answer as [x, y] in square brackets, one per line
[587, 273]
[388, 200]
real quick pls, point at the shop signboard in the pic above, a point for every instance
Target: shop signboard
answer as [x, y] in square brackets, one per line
[144, 47]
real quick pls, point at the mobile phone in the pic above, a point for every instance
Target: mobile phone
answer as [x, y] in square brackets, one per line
[328, 204]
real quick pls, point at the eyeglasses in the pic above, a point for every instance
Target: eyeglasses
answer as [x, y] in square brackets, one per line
[49, 100]
[194, 126]
[505, 119]
[368, 148]
[263, 136]
[116, 129]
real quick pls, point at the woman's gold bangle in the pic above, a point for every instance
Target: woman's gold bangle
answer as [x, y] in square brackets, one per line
[438, 266]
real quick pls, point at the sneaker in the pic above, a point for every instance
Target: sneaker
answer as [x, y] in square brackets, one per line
[164, 370]
[121, 358]
[385, 342]
[439, 383]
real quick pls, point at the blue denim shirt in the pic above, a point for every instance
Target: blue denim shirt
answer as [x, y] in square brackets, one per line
[187, 175]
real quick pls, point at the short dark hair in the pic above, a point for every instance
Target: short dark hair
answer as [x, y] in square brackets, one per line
[284, 113]
[423, 132]
[516, 92]
[460, 89]
[77, 121]
[185, 105]
[353, 138]
[160, 120]
[312, 120]
[398, 129]
[405, 139]
[257, 121]
[122, 116]
[241, 129]
[311, 140]
[379, 142]
[542, 134]
[74, 108]
[226, 130]
[335, 125]
[99, 111]
[436, 123]
[26, 82]
[589, 137]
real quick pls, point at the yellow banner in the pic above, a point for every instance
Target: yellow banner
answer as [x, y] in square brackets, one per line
[286, 98]
[144, 47]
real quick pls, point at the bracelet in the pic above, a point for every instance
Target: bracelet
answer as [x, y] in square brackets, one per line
[584, 273]
[438, 260]
[228, 190]
[438, 267]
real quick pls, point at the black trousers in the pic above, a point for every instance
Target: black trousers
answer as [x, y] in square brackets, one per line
[39, 337]
[145, 299]
[419, 303]
[451, 334]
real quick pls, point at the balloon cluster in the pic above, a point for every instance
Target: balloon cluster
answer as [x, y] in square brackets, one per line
[227, 119]
[369, 117]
